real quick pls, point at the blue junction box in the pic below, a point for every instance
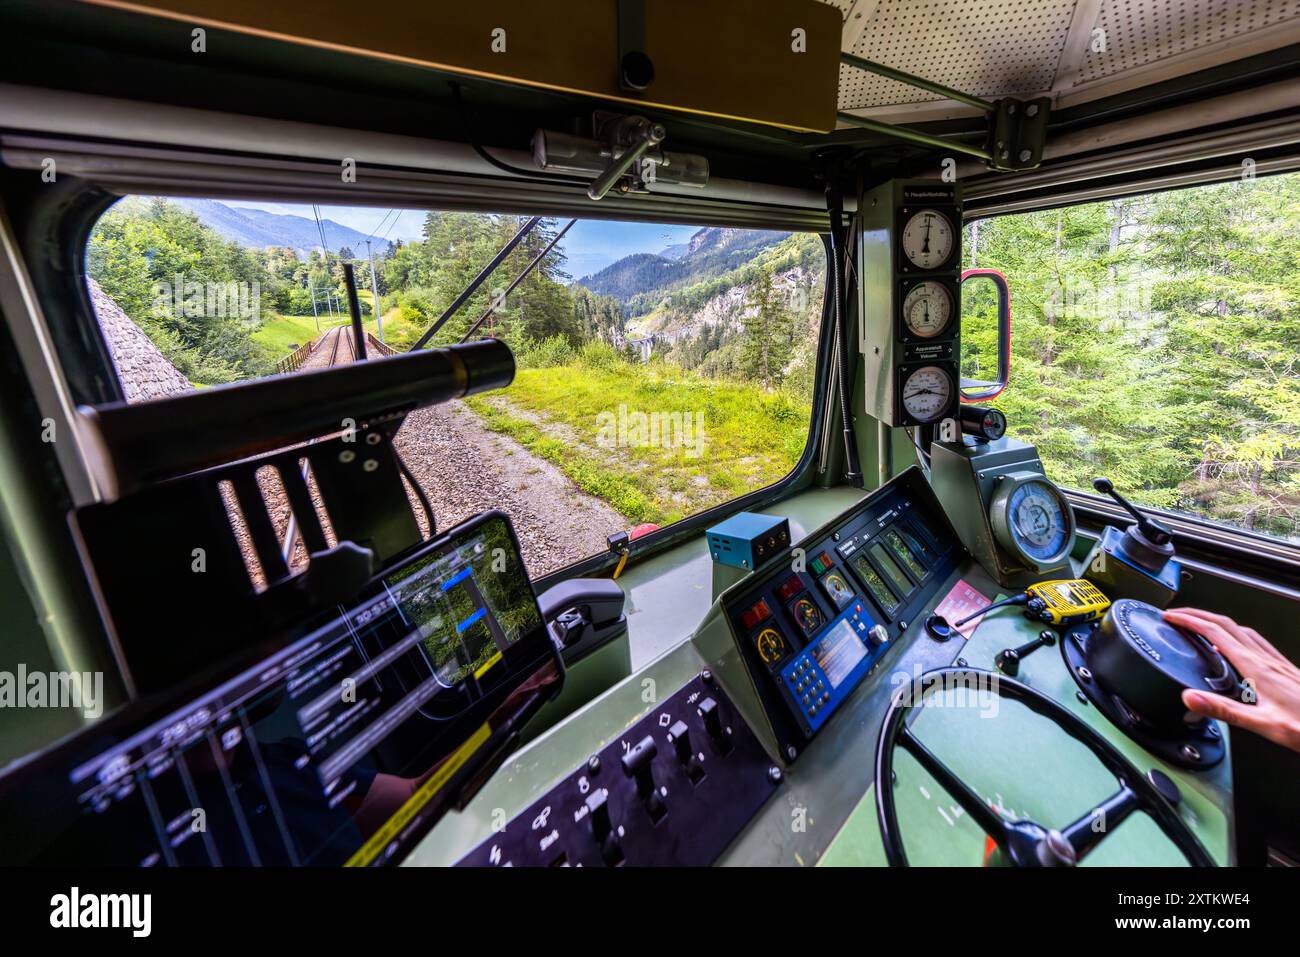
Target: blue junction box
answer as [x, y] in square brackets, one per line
[747, 539]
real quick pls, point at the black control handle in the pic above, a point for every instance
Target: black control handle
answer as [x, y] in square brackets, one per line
[1008, 659]
[1153, 531]
[638, 763]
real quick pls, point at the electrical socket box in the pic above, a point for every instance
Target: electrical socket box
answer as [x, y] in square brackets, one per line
[747, 539]
[910, 308]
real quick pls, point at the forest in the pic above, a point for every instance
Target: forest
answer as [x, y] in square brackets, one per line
[1155, 339]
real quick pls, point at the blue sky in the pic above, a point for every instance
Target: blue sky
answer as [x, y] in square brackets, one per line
[591, 245]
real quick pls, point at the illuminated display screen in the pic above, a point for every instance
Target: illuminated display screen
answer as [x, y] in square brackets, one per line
[875, 584]
[916, 543]
[308, 756]
[904, 553]
[839, 652]
[890, 568]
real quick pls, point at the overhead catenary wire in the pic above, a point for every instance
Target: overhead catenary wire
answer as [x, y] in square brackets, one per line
[478, 280]
[400, 212]
[381, 224]
[491, 309]
[320, 228]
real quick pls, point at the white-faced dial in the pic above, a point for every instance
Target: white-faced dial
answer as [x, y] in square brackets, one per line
[928, 239]
[926, 309]
[927, 393]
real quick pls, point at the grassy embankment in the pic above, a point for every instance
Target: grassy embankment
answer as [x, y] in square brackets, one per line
[281, 335]
[752, 438]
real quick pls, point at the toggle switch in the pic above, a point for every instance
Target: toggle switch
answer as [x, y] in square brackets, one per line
[679, 736]
[711, 715]
[638, 763]
[602, 828]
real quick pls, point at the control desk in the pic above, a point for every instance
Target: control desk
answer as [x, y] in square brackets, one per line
[376, 736]
[812, 626]
[804, 658]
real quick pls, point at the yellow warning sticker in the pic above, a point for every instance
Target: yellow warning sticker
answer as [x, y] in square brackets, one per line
[482, 669]
[368, 851]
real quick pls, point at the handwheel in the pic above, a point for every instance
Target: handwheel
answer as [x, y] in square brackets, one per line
[1025, 843]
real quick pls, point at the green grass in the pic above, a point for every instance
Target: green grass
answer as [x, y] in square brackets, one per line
[752, 438]
[281, 335]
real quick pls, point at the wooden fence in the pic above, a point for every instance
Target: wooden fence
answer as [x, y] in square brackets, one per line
[295, 359]
[374, 346]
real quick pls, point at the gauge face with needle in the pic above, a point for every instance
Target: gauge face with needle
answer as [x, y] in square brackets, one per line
[928, 239]
[1032, 520]
[926, 309]
[927, 393]
[1038, 519]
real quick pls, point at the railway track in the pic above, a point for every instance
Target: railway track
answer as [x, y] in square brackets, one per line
[334, 348]
[466, 469]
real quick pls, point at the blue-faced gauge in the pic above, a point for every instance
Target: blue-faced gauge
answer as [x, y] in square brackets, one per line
[1032, 520]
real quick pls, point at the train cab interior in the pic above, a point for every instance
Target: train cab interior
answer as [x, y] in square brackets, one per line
[984, 321]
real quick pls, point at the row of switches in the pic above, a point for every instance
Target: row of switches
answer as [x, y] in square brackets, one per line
[638, 764]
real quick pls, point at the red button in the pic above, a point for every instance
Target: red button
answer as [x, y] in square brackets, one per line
[789, 588]
[757, 612]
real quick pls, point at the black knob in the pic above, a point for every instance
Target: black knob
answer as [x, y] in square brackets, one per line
[679, 736]
[1008, 659]
[938, 627]
[638, 763]
[602, 828]
[637, 71]
[598, 810]
[711, 715]
[1166, 788]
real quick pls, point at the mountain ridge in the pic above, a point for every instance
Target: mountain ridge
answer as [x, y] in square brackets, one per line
[640, 280]
[259, 229]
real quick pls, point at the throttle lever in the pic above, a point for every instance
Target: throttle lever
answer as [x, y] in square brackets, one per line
[1149, 543]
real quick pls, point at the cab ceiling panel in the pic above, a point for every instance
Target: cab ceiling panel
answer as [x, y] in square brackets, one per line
[1074, 51]
[977, 47]
[775, 64]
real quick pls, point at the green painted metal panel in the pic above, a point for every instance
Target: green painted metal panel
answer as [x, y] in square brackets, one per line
[1023, 763]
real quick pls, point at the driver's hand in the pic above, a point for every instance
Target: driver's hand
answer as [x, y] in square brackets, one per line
[1276, 714]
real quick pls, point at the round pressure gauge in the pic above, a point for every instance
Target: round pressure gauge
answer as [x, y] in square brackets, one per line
[927, 393]
[1032, 520]
[928, 239]
[770, 645]
[926, 309]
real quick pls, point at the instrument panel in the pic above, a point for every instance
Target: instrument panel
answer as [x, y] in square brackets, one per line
[1032, 519]
[812, 628]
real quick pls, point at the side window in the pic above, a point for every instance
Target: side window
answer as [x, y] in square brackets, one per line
[663, 370]
[1156, 340]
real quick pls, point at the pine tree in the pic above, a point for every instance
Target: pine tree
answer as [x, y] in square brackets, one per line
[768, 339]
